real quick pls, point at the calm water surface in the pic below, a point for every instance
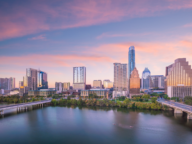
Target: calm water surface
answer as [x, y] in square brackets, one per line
[93, 125]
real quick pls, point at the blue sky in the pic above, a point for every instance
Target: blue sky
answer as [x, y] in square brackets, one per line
[55, 36]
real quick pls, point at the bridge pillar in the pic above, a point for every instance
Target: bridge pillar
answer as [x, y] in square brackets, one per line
[189, 116]
[178, 111]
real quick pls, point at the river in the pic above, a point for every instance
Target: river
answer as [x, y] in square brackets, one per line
[93, 125]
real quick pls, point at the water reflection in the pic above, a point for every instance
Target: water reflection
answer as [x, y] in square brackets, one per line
[72, 124]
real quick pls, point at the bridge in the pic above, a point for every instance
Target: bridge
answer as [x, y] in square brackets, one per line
[179, 108]
[22, 105]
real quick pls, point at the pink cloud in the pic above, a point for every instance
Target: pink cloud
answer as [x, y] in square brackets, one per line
[23, 20]
[105, 35]
[188, 25]
[40, 37]
[52, 60]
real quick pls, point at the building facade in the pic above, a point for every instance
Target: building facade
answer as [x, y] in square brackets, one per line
[20, 83]
[156, 81]
[99, 92]
[79, 78]
[59, 87]
[134, 82]
[120, 80]
[179, 91]
[145, 79]
[131, 60]
[87, 87]
[107, 84]
[66, 86]
[179, 73]
[7, 83]
[42, 82]
[41, 92]
[97, 84]
[32, 78]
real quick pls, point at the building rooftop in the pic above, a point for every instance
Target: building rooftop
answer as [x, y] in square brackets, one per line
[146, 70]
[131, 48]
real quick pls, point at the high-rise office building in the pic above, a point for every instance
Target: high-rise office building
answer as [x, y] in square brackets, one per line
[145, 79]
[97, 84]
[66, 86]
[134, 82]
[131, 60]
[42, 80]
[79, 78]
[7, 83]
[32, 78]
[107, 84]
[12, 82]
[156, 81]
[178, 74]
[20, 84]
[59, 87]
[120, 80]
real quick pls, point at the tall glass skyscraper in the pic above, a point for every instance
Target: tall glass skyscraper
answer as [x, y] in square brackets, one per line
[42, 80]
[131, 60]
[32, 78]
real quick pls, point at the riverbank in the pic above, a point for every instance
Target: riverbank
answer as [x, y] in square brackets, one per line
[127, 103]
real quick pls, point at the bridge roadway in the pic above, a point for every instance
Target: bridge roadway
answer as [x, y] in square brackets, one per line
[178, 107]
[21, 105]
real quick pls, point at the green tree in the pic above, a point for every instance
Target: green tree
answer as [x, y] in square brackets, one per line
[146, 96]
[165, 96]
[54, 102]
[153, 99]
[188, 100]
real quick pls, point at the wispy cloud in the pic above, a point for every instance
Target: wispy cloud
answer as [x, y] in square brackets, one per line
[108, 35]
[40, 37]
[23, 20]
[188, 25]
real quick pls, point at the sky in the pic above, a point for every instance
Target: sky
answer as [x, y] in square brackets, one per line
[57, 35]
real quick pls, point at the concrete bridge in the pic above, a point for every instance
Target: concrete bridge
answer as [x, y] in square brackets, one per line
[22, 105]
[179, 108]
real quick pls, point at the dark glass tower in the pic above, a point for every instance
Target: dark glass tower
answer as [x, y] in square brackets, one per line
[131, 60]
[42, 80]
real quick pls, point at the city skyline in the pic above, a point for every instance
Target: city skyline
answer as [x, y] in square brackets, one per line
[94, 34]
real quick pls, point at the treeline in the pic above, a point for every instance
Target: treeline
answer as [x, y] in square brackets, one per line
[127, 103]
[18, 99]
[188, 100]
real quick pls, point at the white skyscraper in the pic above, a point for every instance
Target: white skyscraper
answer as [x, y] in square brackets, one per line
[120, 80]
[79, 78]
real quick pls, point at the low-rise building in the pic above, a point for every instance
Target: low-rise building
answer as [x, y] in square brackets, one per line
[1, 91]
[99, 92]
[87, 87]
[61, 87]
[14, 92]
[41, 92]
[97, 84]
[179, 91]
[107, 84]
